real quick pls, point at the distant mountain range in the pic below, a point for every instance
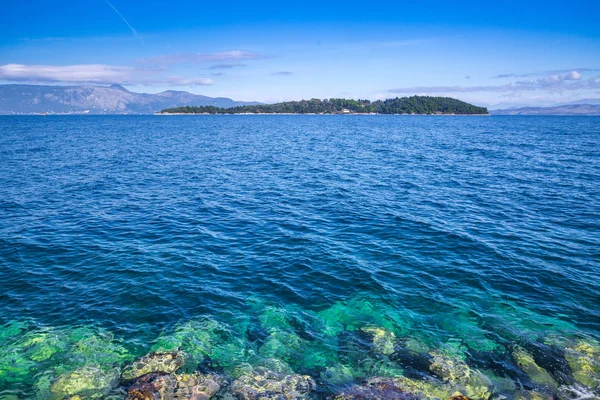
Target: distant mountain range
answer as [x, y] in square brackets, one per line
[115, 99]
[567, 109]
[583, 101]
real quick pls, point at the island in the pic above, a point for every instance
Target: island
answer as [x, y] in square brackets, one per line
[400, 105]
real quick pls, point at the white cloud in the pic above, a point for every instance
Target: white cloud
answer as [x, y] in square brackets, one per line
[559, 78]
[558, 82]
[573, 76]
[91, 73]
[98, 73]
[148, 71]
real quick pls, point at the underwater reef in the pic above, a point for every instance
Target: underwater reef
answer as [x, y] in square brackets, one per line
[358, 349]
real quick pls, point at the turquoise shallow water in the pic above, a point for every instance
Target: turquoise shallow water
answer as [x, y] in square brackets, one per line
[342, 247]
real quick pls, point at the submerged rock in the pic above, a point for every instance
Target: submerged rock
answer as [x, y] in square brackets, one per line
[98, 348]
[376, 390]
[43, 345]
[523, 394]
[584, 360]
[383, 340]
[427, 388]
[576, 392]
[537, 374]
[12, 329]
[412, 360]
[21, 355]
[89, 381]
[163, 386]
[401, 388]
[457, 373]
[198, 386]
[261, 383]
[340, 374]
[151, 386]
[207, 341]
[166, 362]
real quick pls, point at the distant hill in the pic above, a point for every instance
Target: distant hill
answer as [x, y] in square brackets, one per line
[571, 109]
[115, 99]
[403, 105]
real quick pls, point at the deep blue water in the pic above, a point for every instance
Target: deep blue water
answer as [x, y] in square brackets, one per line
[473, 233]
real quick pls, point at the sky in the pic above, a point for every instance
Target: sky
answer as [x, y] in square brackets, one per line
[501, 53]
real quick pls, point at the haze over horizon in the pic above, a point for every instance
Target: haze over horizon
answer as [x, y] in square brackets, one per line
[511, 53]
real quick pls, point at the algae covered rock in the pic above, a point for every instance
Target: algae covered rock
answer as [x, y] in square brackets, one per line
[340, 374]
[89, 381]
[383, 340]
[584, 359]
[376, 390]
[457, 373]
[207, 340]
[537, 374]
[21, 355]
[163, 386]
[43, 345]
[356, 313]
[12, 329]
[284, 344]
[98, 347]
[401, 388]
[523, 394]
[262, 383]
[429, 389]
[167, 362]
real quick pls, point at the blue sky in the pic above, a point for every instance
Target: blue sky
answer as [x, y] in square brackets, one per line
[500, 53]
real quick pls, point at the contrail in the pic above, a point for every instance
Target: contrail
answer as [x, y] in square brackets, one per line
[124, 20]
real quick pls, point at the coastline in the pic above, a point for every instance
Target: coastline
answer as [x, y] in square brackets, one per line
[421, 115]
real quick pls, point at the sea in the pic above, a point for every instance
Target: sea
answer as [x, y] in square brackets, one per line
[360, 255]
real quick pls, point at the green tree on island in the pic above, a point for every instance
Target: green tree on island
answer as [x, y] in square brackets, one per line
[403, 105]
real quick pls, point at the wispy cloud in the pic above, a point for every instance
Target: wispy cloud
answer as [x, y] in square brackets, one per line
[226, 56]
[570, 81]
[450, 89]
[501, 76]
[133, 31]
[282, 73]
[543, 73]
[92, 73]
[227, 66]
[182, 81]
